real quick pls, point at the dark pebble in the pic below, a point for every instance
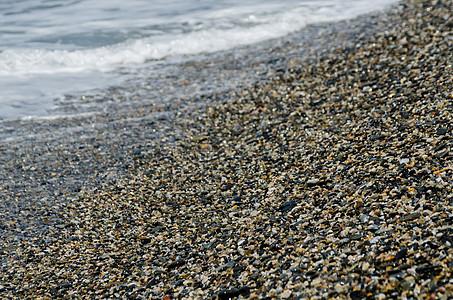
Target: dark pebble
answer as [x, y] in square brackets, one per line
[176, 263]
[441, 131]
[227, 187]
[356, 295]
[355, 237]
[233, 293]
[287, 206]
[137, 152]
[377, 137]
[64, 285]
[426, 271]
[401, 254]
[410, 217]
[237, 199]
[145, 241]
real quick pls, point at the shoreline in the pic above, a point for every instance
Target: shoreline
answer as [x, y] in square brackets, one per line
[331, 178]
[47, 159]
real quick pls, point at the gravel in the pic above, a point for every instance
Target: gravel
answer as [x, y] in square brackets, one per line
[329, 178]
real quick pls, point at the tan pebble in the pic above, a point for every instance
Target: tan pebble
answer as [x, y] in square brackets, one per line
[339, 288]
[365, 266]
[286, 294]
[272, 293]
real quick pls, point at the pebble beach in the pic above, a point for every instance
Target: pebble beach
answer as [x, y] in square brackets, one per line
[328, 178]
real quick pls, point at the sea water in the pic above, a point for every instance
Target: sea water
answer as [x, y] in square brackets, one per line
[54, 50]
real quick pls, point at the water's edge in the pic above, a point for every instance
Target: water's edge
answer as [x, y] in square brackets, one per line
[48, 161]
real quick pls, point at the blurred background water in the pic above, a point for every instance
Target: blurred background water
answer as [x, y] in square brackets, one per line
[50, 49]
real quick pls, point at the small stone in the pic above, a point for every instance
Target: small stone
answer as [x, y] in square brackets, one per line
[125, 286]
[273, 293]
[237, 199]
[228, 265]
[404, 161]
[373, 228]
[145, 240]
[401, 254]
[441, 131]
[355, 236]
[365, 266]
[313, 182]
[410, 217]
[407, 285]
[64, 285]
[232, 293]
[287, 206]
[377, 137]
[364, 218]
[339, 288]
[137, 152]
[375, 240]
[176, 263]
[286, 294]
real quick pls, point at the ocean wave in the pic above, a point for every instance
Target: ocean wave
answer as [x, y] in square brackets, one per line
[218, 30]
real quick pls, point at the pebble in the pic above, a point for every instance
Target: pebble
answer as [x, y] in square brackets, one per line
[233, 293]
[287, 206]
[362, 124]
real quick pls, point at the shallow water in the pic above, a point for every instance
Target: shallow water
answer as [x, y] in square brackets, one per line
[89, 137]
[52, 52]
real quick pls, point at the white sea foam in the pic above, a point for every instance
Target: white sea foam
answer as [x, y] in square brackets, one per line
[50, 49]
[217, 30]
